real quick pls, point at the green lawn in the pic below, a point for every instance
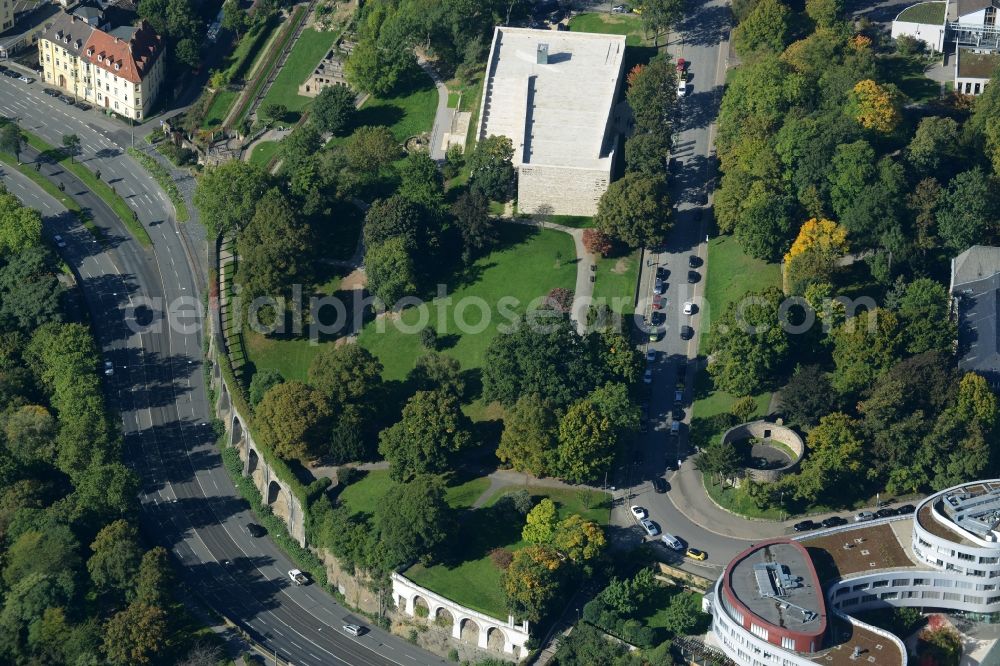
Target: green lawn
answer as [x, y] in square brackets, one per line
[306, 53]
[574, 221]
[731, 274]
[474, 581]
[925, 12]
[363, 495]
[408, 113]
[263, 152]
[615, 282]
[217, 112]
[908, 74]
[629, 25]
[526, 267]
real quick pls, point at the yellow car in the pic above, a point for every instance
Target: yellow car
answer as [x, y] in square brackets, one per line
[696, 554]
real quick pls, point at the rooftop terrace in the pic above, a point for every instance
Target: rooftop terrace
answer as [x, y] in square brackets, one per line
[856, 551]
[873, 648]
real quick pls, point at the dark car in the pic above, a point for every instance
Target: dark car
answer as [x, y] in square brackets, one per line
[693, 276]
[657, 317]
[885, 513]
[662, 272]
[677, 414]
[659, 485]
[694, 261]
[51, 92]
[805, 526]
[687, 332]
[905, 510]
[83, 106]
[67, 99]
[255, 530]
[834, 521]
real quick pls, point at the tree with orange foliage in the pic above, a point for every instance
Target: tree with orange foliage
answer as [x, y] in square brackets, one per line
[875, 107]
[814, 253]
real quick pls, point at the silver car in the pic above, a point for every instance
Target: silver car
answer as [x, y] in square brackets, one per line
[650, 527]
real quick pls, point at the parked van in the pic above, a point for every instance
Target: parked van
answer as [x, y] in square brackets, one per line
[671, 542]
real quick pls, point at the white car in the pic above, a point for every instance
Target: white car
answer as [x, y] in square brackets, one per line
[650, 355]
[109, 368]
[650, 527]
[59, 241]
[26, 78]
[688, 307]
[297, 577]
[682, 87]
[639, 512]
[619, 9]
[354, 629]
[671, 542]
[647, 377]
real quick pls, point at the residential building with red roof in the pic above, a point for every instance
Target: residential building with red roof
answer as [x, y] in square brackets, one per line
[120, 70]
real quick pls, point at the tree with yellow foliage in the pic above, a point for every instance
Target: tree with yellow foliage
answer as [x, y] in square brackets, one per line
[875, 107]
[532, 581]
[814, 253]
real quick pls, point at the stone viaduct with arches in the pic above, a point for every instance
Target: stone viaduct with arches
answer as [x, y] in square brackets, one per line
[467, 625]
[275, 492]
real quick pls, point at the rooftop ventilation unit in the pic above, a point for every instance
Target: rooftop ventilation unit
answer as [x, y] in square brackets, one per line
[542, 55]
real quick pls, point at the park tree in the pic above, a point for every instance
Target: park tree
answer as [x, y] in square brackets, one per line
[586, 443]
[395, 217]
[922, 205]
[234, 18]
[262, 382]
[135, 635]
[115, 558]
[924, 310]
[935, 147]
[659, 15]
[635, 210]
[578, 539]
[749, 344]
[875, 106]
[551, 360]
[764, 222]
[71, 145]
[477, 228]
[835, 460]
[492, 168]
[540, 523]
[371, 149]
[648, 152]
[227, 195]
[432, 428]
[420, 181]
[54, 551]
[597, 242]
[613, 402]
[11, 139]
[383, 56]
[807, 396]
[438, 371]
[274, 112]
[104, 491]
[825, 13]
[413, 520]
[20, 226]
[391, 271]
[155, 579]
[852, 170]
[348, 438]
[968, 211]
[528, 442]
[976, 402]
[533, 581]
[814, 253]
[24, 607]
[719, 460]
[31, 291]
[29, 434]
[333, 109]
[652, 96]
[294, 419]
[275, 248]
[764, 29]
[345, 374]
[864, 346]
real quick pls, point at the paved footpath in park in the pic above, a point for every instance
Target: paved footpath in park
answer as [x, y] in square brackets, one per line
[443, 115]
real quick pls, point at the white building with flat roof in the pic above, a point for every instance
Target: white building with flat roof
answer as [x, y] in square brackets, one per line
[553, 94]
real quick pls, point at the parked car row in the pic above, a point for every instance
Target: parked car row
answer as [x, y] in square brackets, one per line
[863, 516]
[668, 540]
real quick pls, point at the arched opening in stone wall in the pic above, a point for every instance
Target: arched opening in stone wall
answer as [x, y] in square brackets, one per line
[253, 465]
[444, 619]
[495, 639]
[236, 438]
[420, 607]
[277, 499]
[470, 631]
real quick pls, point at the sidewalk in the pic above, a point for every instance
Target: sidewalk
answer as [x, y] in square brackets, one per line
[443, 115]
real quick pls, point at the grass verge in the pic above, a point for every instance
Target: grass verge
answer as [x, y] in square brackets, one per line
[163, 178]
[731, 274]
[263, 153]
[615, 282]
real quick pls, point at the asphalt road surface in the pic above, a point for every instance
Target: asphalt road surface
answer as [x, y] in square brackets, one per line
[697, 40]
[188, 502]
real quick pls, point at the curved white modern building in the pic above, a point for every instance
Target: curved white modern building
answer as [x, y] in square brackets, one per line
[945, 556]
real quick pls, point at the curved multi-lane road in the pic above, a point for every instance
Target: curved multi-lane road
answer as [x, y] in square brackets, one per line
[144, 306]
